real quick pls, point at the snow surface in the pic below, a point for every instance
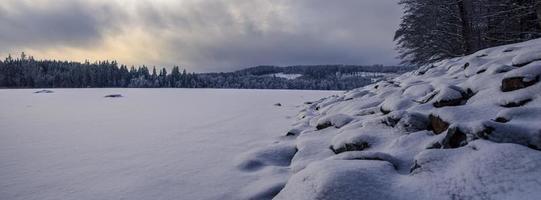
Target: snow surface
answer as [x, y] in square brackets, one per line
[462, 128]
[285, 76]
[148, 144]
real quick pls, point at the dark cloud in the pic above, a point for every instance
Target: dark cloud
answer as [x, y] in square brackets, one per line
[308, 32]
[55, 23]
[217, 35]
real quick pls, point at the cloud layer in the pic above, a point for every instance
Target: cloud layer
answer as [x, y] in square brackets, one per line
[203, 35]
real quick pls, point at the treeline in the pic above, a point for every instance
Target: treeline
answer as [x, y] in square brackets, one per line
[26, 72]
[433, 30]
[323, 71]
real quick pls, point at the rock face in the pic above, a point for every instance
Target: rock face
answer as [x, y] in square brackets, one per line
[516, 83]
[501, 120]
[516, 103]
[454, 139]
[437, 125]
[323, 125]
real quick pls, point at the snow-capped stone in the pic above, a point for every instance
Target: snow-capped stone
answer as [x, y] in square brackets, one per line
[337, 121]
[350, 147]
[450, 96]
[43, 91]
[522, 77]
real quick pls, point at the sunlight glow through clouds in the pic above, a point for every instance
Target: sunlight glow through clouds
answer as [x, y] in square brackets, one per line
[202, 35]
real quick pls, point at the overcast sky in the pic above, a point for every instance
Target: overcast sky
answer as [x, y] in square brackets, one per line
[202, 35]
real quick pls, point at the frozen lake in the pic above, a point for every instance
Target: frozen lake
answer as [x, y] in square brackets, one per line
[149, 144]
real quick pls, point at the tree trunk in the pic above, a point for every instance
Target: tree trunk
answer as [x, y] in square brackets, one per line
[538, 11]
[466, 26]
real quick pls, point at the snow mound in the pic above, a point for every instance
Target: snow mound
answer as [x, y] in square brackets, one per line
[462, 128]
[271, 163]
[273, 155]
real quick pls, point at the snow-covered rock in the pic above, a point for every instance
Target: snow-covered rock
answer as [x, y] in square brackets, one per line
[462, 128]
[43, 91]
[337, 121]
[113, 96]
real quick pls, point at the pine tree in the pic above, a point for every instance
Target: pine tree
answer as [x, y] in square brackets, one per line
[175, 76]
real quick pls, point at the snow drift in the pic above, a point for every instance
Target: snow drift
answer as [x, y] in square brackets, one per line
[463, 128]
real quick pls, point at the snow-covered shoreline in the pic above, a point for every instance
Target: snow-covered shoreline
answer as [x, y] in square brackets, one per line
[463, 128]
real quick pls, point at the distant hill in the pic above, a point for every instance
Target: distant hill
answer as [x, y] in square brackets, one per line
[319, 71]
[323, 71]
[310, 77]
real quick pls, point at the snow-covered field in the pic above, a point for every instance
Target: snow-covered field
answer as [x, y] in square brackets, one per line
[148, 144]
